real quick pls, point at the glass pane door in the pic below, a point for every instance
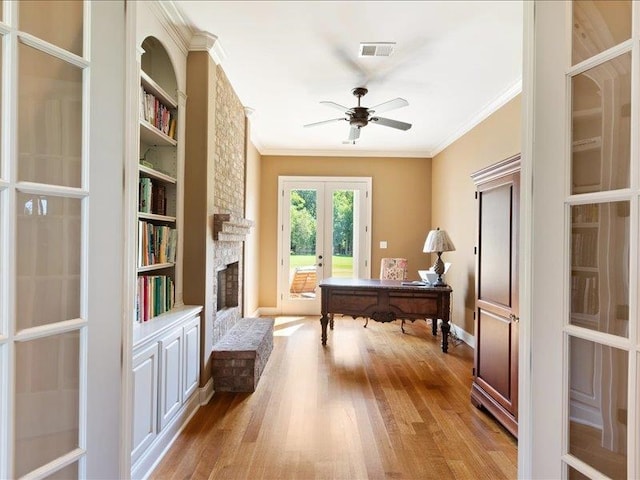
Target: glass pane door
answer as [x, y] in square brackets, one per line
[303, 255]
[324, 234]
[600, 208]
[44, 204]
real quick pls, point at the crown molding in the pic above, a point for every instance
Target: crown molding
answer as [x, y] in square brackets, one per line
[482, 115]
[343, 153]
[208, 42]
[174, 22]
[493, 172]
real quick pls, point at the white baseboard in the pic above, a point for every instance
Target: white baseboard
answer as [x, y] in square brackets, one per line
[157, 450]
[206, 392]
[464, 336]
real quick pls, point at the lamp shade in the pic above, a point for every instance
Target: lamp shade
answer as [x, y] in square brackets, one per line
[438, 241]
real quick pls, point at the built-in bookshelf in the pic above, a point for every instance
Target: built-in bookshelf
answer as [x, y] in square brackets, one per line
[166, 356]
[157, 238]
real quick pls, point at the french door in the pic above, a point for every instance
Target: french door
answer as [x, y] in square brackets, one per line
[584, 325]
[62, 112]
[324, 233]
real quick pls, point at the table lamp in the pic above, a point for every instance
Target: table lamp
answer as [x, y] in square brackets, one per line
[438, 241]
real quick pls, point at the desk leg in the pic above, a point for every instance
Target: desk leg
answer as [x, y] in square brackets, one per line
[434, 326]
[324, 320]
[331, 321]
[445, 334]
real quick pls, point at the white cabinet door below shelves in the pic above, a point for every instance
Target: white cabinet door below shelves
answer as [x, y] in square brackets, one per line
[145, 400]
[191, 356]
[171, 348]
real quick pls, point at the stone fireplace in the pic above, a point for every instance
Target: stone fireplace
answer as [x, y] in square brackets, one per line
[228, 283]
[229, 233]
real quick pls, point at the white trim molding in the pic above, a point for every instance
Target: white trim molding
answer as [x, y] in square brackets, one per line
[208, 42]
[482, 115]
[463, 335]
[174, 23]
[206, 392]
[343, 153]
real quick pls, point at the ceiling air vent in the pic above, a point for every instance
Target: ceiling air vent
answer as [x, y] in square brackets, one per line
[376, 49]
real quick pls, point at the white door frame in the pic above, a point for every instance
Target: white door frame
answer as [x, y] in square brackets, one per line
[101, 218]
[525, 414]
[364, 266]
[546, 123]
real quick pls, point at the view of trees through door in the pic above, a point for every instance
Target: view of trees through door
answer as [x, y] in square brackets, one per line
[304, 228]
[325, 233]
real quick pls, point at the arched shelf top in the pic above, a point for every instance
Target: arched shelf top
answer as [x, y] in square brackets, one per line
[156, 63]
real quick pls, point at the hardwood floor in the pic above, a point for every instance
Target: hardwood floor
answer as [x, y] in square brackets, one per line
[372, 404]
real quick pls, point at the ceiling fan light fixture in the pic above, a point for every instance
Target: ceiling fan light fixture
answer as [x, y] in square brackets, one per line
[360, 116]
[376, 49]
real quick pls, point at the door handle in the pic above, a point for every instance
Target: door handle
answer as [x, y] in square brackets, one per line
[514, 318]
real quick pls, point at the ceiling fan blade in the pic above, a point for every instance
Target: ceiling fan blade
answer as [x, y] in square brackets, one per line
[387, 122]
[390, 105]
[324, 121]
[335, 105]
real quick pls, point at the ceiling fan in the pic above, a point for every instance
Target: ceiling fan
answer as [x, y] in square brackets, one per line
[359, 116]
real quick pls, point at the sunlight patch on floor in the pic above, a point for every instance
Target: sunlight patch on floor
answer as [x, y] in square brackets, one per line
[284, 326]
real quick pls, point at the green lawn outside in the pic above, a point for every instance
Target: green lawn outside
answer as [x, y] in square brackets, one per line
[342, 266]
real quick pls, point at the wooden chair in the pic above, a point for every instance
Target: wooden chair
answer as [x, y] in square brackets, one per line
[304, 281]
[392, 269]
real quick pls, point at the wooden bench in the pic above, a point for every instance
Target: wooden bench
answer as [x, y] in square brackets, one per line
[240, 356]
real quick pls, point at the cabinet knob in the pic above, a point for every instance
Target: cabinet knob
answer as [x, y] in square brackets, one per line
[514, 318]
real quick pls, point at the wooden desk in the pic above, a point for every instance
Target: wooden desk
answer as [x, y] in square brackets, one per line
[384, 301]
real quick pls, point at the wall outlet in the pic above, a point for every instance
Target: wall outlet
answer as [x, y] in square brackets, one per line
[383, 244]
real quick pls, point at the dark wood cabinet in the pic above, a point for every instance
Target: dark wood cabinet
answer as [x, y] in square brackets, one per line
[495, 380]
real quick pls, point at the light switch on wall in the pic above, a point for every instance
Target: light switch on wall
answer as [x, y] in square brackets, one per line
[383, 244]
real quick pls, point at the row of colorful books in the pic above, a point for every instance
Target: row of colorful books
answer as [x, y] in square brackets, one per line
[152, 197]
[156, 244]
[157, 114]
[155, 295]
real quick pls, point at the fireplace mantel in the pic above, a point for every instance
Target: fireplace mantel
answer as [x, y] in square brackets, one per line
[229, 228]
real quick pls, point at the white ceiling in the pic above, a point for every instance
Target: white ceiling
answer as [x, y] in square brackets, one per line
[455, 62]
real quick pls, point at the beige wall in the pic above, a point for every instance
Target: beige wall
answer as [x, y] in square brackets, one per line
[198, 288]
[401, 206]
[252, 243]
[453, 202]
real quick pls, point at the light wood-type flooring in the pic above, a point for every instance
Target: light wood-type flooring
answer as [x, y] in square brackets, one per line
[373, 404]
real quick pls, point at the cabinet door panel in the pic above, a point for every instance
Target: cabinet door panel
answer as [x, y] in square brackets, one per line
[191, 357]
[145, 400]
[170, 376]
[495, 247]
[494, 352]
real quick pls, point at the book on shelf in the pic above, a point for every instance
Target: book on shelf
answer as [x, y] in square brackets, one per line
[155, 296]
[153, 111]
[156, 244]
[144, 195]
[158, 199]
[152, 197]
[172, 128]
